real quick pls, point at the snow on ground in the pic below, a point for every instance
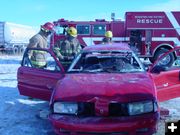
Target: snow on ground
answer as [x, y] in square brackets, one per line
[20, 115]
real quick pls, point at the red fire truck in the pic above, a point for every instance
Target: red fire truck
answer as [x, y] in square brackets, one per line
[150, 34]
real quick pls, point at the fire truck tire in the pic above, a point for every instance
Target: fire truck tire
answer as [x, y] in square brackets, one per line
[162, 51]
[151, 59]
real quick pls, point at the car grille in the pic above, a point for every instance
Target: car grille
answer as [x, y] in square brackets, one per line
[115, 109]
[86, 109]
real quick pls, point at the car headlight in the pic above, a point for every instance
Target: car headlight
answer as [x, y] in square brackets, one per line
[140, 107]
[65, 107]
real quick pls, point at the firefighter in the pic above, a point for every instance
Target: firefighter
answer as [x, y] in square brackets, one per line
[108, 37]
[68, 48]
[39, 40]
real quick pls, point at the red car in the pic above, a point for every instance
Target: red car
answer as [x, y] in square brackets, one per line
[106, 90]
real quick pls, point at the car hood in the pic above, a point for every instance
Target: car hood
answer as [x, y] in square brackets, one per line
[126, 87]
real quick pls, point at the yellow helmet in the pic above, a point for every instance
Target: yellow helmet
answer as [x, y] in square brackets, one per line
[109, 34]
[72, 31]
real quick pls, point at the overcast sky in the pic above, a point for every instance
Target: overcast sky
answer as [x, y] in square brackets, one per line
[37, 12]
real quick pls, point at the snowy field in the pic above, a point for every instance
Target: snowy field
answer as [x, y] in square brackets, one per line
[21, 116]
[18, 114]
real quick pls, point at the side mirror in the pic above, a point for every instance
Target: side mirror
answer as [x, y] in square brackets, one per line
[157, 69]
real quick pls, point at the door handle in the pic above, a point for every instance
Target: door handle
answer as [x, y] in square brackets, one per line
[165, 84]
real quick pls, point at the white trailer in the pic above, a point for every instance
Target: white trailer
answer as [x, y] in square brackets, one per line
[15, 37]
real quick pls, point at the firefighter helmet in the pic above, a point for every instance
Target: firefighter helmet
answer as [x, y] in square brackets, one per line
[72, 31]
[109, 34]
[47, 27]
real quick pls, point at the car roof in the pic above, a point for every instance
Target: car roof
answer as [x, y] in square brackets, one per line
[108, 47]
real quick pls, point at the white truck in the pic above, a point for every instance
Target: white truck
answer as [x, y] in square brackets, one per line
[15, 37]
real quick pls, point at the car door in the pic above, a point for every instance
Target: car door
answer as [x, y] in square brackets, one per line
[39, 82]
[167, 78]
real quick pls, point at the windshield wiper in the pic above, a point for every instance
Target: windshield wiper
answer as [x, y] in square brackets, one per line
[92, 70]
[75, 71]
[110, 69]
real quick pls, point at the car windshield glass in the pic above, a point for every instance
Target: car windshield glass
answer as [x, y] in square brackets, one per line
[104, 61]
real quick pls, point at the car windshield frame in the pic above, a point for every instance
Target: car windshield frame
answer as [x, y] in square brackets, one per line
[106, 54]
